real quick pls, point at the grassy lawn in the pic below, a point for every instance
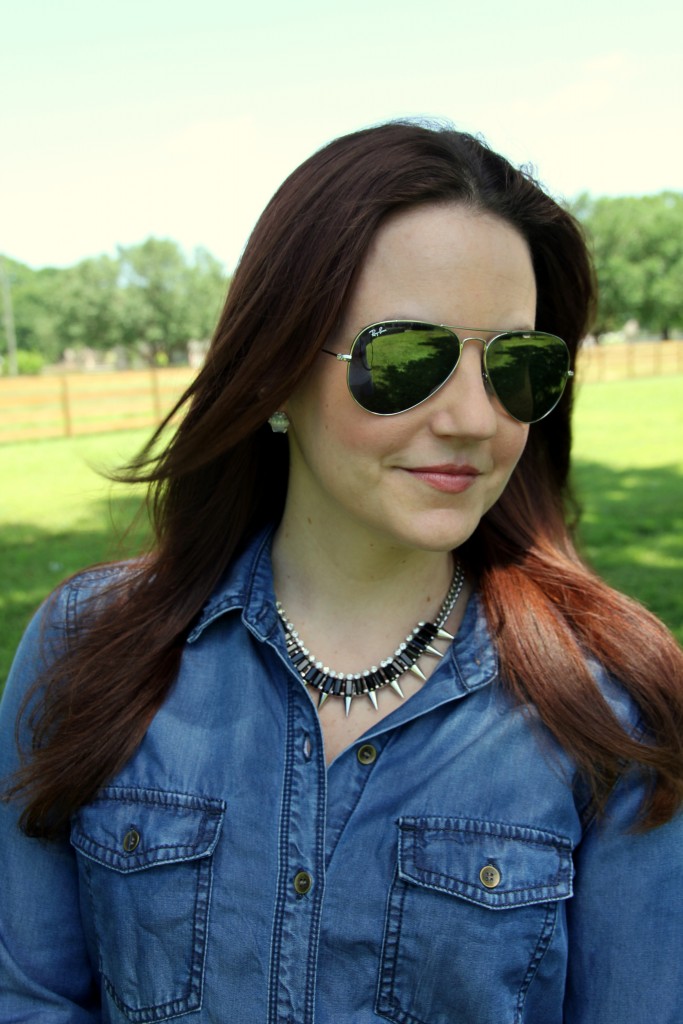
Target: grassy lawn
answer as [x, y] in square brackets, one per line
[57, 514]
[628, 475]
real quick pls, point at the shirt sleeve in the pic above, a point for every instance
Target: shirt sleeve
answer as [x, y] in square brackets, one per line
[45, 971]
[626, 919]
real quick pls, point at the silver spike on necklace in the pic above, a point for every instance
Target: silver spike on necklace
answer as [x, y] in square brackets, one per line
[388, 672]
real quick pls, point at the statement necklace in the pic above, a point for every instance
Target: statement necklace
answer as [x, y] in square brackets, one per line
[388, 672]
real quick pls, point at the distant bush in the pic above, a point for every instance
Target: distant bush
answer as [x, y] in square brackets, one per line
[29, 363]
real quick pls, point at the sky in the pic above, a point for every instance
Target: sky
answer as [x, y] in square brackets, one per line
[120, 120]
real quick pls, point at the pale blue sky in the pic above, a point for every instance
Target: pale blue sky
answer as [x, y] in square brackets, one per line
[123, 119]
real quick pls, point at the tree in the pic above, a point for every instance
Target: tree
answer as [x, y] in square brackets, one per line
[149, 299]
[36, 297]
[90, 309]
[154, 300]
[659, 239]
[166, 300]
[207, 285]
[637, 245]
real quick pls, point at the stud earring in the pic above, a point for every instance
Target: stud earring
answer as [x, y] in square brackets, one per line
[279, 422]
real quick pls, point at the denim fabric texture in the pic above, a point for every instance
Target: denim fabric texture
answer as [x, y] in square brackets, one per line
[453, 874]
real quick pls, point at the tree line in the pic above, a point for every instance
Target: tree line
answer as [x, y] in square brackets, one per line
[637, 245]
[145, 303]
[149, 300]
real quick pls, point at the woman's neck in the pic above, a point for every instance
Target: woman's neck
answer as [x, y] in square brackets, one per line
[352, 598]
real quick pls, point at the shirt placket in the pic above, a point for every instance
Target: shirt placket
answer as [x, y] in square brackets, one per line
[301, 867]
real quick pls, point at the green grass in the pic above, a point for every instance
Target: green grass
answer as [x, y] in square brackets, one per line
[58, 515]
[628, 474]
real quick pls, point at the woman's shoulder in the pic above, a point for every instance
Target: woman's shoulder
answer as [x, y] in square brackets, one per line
[476, 639]
[616, 696]
[47, 634]
[95, 583]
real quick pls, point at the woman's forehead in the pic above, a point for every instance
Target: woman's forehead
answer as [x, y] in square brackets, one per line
[445, 263]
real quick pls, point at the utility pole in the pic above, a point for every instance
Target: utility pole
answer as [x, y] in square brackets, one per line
[8, 318]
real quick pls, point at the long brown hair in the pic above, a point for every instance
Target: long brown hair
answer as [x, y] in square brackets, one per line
[223, 475]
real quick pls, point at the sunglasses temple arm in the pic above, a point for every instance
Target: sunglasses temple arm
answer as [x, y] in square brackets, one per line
[343, 357]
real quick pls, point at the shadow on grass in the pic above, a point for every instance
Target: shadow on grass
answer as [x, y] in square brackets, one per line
[631, 532]
[35, 561]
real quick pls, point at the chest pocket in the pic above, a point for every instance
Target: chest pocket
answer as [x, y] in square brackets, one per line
[146, 861]
[470, 918]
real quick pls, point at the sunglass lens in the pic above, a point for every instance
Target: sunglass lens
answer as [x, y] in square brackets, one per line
[528, 372]
[396, 365]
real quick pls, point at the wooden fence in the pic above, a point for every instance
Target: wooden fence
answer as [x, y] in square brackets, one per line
[622, 362]
[70, 404]
[89, 403]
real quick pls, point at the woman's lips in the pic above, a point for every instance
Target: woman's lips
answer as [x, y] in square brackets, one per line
[448, 478]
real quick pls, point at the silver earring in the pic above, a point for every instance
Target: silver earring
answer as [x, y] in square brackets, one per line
[279, 422]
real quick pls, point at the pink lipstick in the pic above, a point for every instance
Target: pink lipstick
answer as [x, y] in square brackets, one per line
[449, 478]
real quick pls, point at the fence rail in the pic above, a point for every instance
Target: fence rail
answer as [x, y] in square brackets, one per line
[68, 405]
[638, 359]
[71, 404]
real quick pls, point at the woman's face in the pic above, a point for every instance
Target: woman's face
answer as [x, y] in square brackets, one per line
[424, 478]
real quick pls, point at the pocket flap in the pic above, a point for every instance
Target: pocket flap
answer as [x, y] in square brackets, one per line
[130, 829]
[494, 864]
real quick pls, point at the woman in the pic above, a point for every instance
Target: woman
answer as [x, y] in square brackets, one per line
[477, 823]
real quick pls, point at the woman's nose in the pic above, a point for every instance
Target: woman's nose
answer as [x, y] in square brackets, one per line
[464, 406]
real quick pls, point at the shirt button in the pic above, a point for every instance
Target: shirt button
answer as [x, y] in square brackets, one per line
[131, 840]
[302, 882]
[367, 753]
[490, 876]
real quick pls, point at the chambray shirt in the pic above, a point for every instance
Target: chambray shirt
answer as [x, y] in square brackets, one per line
[446, 868]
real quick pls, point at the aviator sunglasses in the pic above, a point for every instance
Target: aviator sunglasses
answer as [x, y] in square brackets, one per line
[395, 365]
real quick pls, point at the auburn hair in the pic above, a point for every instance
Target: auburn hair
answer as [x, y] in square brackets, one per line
[223, 474]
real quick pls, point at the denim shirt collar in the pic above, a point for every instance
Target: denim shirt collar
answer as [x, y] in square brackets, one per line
[247, 586]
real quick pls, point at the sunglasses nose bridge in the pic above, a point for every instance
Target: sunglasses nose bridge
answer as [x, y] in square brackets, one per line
[472, 337]
[482, 342]
[462, 342]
